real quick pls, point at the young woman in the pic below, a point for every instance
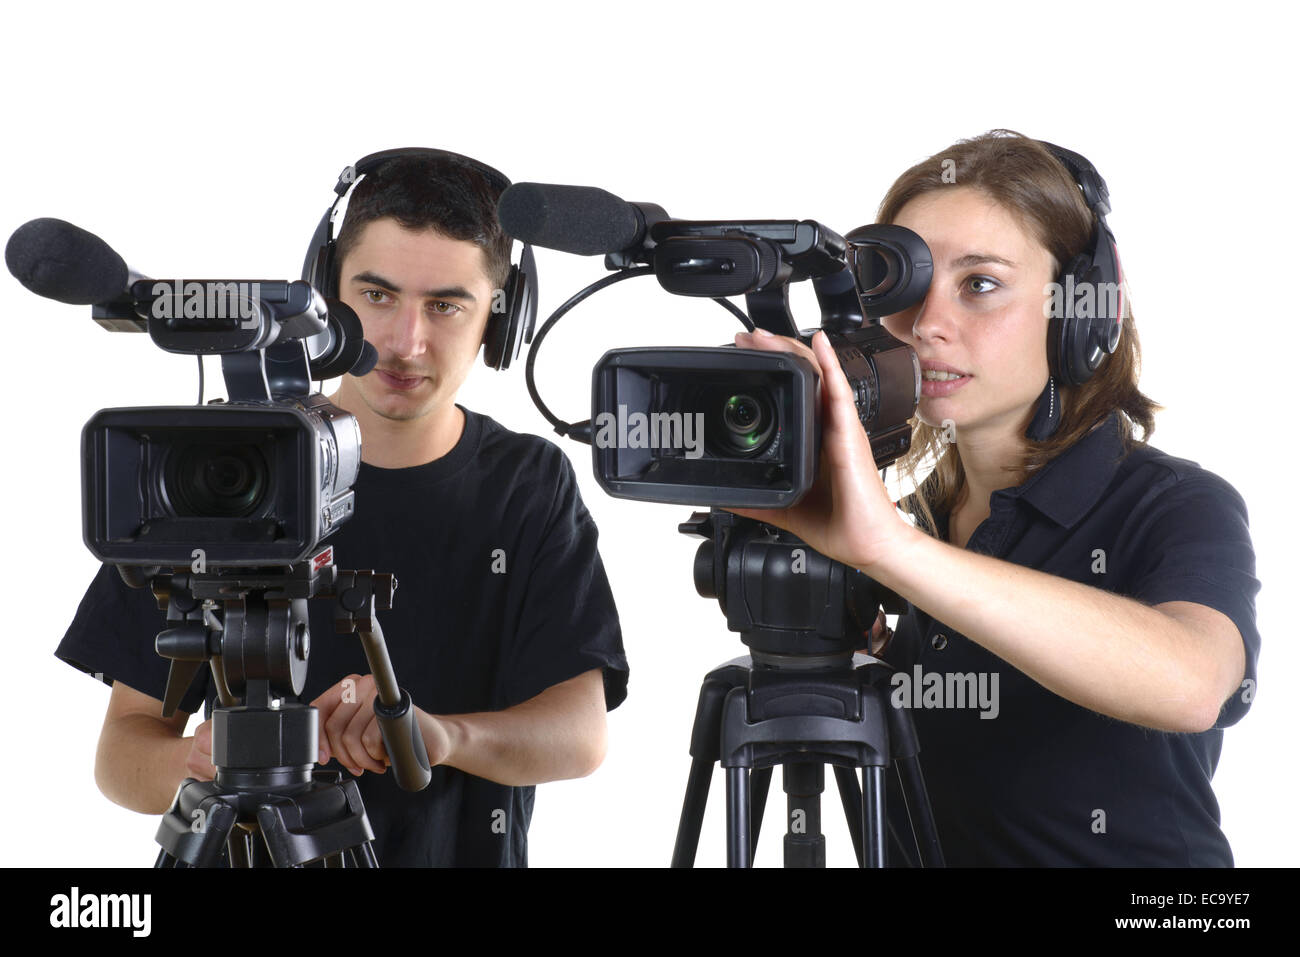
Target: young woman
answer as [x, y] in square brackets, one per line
[1098, 591]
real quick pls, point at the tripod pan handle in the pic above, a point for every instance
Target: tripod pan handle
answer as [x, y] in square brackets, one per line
[404, 743]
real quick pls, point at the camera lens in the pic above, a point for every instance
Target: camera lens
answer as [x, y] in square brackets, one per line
[217, 481]
[749, 423]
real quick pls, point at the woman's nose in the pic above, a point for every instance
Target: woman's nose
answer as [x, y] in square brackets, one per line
[932, 320]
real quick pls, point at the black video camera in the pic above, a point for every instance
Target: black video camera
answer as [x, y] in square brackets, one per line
[730, 427]
[259, 479]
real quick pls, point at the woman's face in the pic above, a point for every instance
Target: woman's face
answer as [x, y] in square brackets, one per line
[983, 316]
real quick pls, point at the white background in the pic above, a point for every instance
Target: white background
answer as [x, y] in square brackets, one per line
[207, 143]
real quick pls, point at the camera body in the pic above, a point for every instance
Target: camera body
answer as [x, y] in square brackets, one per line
[244, 483]
[259, 479]
[738, 427]
[727, 427]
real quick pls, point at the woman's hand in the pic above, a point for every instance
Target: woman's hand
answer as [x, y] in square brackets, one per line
[847, 515]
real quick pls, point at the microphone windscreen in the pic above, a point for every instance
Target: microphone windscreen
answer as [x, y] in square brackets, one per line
[581, 220]
[60, 261]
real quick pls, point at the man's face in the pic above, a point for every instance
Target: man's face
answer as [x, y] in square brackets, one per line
[983, 316]
[424, 301]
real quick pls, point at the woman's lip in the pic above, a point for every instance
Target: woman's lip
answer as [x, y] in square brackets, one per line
[936, 389]
[929, 365]
[405, 383]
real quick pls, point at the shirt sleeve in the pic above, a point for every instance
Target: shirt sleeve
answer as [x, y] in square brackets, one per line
[1196, 547]
[112, 638]
[569, 623]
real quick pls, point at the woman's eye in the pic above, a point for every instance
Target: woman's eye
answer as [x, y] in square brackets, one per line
[981, 284]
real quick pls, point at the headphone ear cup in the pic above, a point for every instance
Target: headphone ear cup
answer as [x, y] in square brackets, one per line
[506, 332]
[1112, 272]
[496, 336]
[525, 310]
[1070, 333]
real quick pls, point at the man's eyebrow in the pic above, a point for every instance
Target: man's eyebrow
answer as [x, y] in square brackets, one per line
[449, 292]
[979, 259]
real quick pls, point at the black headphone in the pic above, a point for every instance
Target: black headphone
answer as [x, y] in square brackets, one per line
[507, 328]
[1078, 344]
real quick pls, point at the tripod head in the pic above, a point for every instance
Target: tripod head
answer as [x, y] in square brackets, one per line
[792, 605]
[250, 625]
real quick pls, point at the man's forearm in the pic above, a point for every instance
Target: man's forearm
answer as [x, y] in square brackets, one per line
[140, 762]
[559, 734]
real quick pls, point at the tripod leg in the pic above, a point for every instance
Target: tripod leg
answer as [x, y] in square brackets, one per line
[704, 754]
[759, 780]
[851, 798]
[738, 818]
[873, 816]
[805, 845]
[692, 819]
[918, 809]
[904, 749]
[239, 847]
[193, 832]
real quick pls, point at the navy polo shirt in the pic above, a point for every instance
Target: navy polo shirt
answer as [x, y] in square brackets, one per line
[1021, 776]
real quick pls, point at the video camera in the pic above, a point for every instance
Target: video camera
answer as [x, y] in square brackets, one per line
[730, 427]
[258, 479]
[220, 510]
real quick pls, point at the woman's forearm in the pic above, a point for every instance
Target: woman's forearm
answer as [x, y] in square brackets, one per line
[1099, 650]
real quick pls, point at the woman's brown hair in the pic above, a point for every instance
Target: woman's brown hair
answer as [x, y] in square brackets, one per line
[1023, 177]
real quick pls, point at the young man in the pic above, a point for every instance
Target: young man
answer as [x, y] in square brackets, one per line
[503, 628]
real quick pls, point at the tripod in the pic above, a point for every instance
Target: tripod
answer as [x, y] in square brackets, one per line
[268, 805]
[802, 700]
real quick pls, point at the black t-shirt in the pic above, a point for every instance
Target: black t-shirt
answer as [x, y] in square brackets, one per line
[501, 594]
[1045, 781]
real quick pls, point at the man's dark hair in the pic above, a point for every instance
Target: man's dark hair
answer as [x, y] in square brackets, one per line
[441, 193]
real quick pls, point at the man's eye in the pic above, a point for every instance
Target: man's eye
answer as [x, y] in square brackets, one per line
[444, 308]
[981, 284]
[374, 296]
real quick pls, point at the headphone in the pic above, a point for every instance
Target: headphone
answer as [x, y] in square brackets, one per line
[1077, 344]
[507, 328]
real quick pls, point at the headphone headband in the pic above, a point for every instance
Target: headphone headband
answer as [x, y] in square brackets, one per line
[1095, 192]
[506, 332]
[369, 163]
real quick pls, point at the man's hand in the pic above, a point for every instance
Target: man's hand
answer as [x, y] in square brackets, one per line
[198, 764]
[350, 731]
[557, 734]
